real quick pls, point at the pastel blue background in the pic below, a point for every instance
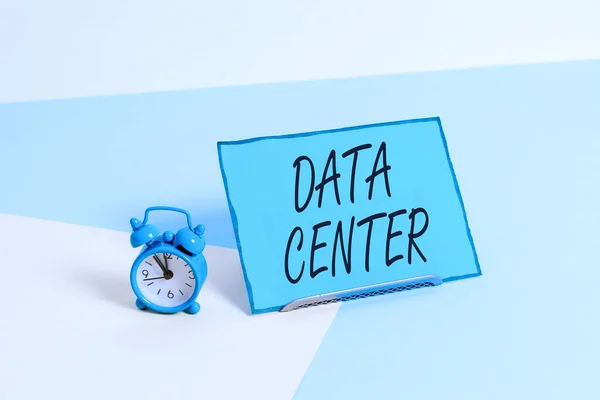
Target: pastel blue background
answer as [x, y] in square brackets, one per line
[525, 144]
[260, 181]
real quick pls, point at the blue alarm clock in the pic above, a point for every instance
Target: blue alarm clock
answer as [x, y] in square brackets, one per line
[170, 270]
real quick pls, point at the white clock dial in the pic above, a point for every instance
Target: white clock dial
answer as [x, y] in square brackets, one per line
[165, 279]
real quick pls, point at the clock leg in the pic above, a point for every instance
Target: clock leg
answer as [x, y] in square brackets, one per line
[193, 308]
[139, 304]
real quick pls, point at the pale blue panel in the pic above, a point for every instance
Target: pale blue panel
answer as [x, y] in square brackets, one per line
[525, 143]
[267, 206]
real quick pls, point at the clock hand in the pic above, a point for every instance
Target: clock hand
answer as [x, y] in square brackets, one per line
[160, 264]
[151, 279]
[166, 261]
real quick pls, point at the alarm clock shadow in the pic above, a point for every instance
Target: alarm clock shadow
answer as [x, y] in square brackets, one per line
[107, 286]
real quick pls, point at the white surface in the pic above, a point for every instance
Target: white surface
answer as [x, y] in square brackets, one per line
[69, 318]
[70, 48]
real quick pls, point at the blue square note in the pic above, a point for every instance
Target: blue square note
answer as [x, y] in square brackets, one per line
[321, 212]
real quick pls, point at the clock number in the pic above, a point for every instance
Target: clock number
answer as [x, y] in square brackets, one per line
[168, 256]
[191, 274]
[170, 295]
[145, 273]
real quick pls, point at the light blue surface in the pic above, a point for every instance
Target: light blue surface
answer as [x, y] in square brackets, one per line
[288, 212]
[525, 144]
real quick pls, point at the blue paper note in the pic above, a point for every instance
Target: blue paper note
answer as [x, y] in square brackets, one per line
[320, 212]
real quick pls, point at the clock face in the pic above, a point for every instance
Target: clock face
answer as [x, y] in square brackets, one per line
[165, 279]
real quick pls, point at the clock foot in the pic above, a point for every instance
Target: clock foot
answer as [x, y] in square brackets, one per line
[139, 304]
[193, 308]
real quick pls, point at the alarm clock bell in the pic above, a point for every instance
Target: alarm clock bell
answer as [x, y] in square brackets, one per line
[142, 233]
[190, 242]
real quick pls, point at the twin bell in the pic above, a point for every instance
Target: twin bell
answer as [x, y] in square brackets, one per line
[187, 240]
